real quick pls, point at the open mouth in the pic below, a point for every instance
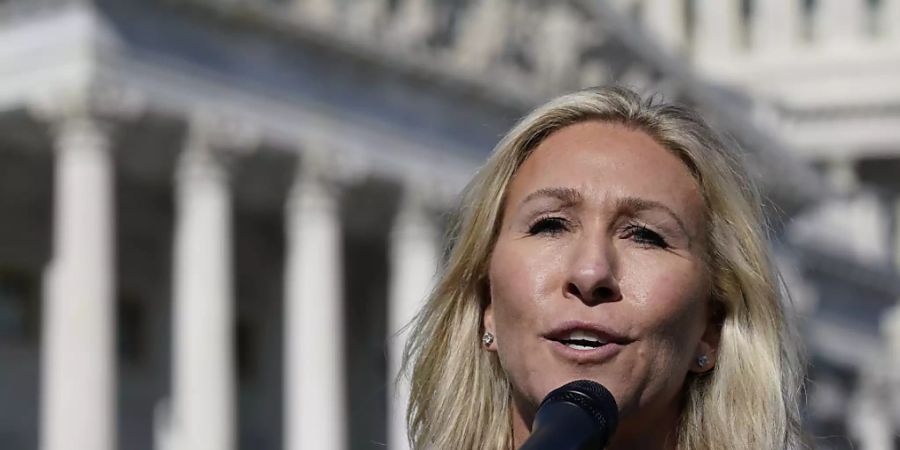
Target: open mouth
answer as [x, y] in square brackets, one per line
[581, 340]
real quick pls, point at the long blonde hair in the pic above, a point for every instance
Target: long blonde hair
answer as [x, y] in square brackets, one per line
[460, 396]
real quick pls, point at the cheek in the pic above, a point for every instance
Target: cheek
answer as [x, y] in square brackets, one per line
[521, 281]
[669, 312]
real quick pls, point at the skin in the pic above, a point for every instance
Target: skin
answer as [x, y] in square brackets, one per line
[603, 225]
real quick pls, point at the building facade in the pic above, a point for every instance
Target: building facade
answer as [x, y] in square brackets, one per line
[217, 215]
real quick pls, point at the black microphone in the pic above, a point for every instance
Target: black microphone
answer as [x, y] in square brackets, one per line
[581, 415]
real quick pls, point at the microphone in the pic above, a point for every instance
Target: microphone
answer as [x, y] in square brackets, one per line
[581, 415]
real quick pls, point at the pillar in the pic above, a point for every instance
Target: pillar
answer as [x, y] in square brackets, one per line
[78, 358]
[315, 398]
[665, 19]
[775, 26]
[717, 28]
[839, 21]
[413, 259]
[204, 378]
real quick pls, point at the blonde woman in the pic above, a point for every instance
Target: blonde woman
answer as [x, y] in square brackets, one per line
[617, 240]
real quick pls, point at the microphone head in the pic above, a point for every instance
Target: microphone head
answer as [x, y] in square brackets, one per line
[590, 396]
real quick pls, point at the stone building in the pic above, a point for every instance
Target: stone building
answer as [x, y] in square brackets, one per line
[823, 76]
[216, 215]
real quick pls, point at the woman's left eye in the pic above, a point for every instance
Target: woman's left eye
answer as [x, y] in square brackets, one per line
[645, 236]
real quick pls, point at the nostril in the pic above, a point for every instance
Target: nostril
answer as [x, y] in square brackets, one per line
[604, 293]
[599, 294]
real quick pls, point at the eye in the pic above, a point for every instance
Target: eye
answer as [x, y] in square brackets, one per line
[548, 225]
[645, 236]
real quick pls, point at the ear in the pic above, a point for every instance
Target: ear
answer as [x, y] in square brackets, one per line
[708, 345]
[488, 326]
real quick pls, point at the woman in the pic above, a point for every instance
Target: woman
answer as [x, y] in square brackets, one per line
[616, 240]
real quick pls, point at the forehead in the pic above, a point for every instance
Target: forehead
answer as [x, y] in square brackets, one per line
[604, 161]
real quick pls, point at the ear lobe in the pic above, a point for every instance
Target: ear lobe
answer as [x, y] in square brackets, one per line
[487, 323]
[708, 348]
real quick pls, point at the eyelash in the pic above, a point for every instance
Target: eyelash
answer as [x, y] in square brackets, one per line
[645, 236]
[640, 234]
[549, 225]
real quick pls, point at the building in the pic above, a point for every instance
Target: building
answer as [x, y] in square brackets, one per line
[203, 199]
[823, 76]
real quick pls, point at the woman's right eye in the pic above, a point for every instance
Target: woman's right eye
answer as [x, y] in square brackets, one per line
[548, 225]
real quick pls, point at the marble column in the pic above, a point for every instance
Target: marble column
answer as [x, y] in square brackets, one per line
[868, 417]
[482, 34]
[413, 22]
[78, 358]
[665, 19]
[839, 21]
[315, 403]
[889, 21]
[204, 379]
[893, 208]
[775, 26]
[318, 13]
[413, 257]
[717, 28]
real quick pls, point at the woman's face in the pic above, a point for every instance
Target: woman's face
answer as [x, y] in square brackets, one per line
[598, 273]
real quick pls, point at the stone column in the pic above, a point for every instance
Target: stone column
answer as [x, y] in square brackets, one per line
[315, 401]
[665, 18]
[482, 34]
[203, 380]
[413, 23]
[775, 26]
[78, 359]
[889, 20]
[868, 419]
[318, 13]
[890, 329]
[893, 208]
[413, 257]
[839, 21]
[717, 30]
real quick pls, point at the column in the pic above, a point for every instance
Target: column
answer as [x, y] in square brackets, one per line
[319, 13]
[367, 18]
[665, 18]
[775, 25]
[414, 256]
[413, 22]
[868, 419]
[203, 380]
[893, 208]
[315, 414]
[78, 373]
[889, 21]
[717, 29]
[840, 171]
[482, 34]
[839, 21]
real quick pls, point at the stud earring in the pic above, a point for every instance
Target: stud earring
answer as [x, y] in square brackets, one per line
[702, 361]
[487, 338]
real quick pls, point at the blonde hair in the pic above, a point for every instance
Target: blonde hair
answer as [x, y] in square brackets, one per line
[460, 396]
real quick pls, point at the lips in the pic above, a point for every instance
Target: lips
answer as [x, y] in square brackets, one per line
[584, 336]
[582, 340]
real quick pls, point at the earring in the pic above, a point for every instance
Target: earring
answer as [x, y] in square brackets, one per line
[702, 360]
[487, 338]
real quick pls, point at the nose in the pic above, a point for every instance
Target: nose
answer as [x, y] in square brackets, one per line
[592, 274]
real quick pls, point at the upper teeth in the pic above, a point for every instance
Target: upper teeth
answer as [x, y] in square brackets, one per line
[583, 335]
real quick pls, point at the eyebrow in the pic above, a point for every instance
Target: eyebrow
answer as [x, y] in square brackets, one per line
[637, 204]
[568, 196]
[632, 205]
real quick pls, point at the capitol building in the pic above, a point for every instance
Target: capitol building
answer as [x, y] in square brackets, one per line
[216, 216]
